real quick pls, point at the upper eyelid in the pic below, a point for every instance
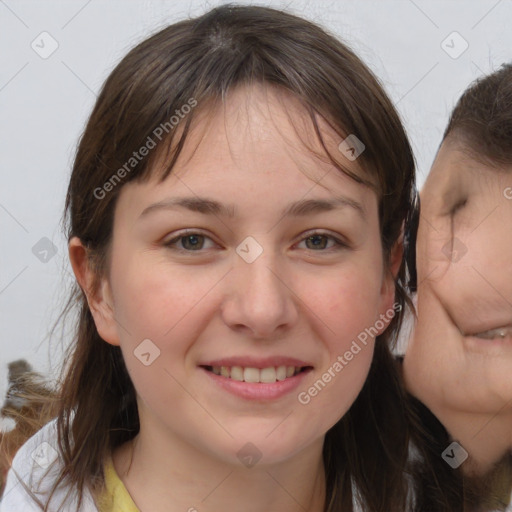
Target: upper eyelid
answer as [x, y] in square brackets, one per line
[452, 209]
[458, 205]
[339, 239]
[184, 234]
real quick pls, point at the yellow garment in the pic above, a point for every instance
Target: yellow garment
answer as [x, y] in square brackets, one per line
[115, 498]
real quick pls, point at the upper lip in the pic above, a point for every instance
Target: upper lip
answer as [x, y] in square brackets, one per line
[256, 362]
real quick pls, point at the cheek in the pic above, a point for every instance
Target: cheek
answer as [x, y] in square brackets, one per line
[153, 299]
[155, 302]
[433, 249]
[451, 299]
[348, 306]
[341, 378]
[471, 254]
[352, 301]
[482, 273]
[489, 252]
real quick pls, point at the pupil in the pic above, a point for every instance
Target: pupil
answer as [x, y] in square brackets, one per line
[191, 242]
[318, 241]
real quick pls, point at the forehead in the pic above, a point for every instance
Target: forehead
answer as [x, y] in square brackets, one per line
[261, 121]
[256, 154]
[455, 173]
[261, 133]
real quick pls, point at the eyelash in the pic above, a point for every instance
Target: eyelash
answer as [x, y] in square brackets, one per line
[171, 244]
[458, 206]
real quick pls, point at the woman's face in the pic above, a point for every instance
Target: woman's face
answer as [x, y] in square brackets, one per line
[461, 356]
[242, 280]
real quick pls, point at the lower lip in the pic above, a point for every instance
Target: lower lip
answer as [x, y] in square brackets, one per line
[258, 390]
[491, 347]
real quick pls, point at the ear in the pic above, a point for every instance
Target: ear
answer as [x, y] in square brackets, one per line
[388, 282]
[396, 257]
[99, 298]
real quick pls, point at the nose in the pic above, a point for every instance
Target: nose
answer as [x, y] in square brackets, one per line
[259, 299]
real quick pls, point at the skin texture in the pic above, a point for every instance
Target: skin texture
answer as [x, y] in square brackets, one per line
[464, 379]
[294, 300]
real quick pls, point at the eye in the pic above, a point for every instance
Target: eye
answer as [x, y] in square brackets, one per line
[189, 242]
[319, 241]
[458, 206]
[195, 242]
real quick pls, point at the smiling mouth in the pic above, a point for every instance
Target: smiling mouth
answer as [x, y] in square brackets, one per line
[257, 375]
[501, 333]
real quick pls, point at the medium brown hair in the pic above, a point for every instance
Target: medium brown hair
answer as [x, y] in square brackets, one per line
[482, 119]
[202, 59]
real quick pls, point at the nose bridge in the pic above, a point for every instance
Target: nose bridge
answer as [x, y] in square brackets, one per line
[259, 281]
[260, 298]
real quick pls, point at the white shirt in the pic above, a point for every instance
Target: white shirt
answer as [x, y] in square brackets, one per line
[35, 468]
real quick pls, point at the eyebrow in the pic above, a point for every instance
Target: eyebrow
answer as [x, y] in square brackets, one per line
[300, 208]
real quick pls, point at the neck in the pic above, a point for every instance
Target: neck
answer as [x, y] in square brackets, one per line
[163, 474]
[487, 437]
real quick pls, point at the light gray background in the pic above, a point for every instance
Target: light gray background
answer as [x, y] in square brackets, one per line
[44, 104]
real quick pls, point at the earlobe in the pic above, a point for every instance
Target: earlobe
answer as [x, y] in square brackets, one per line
[98, 293]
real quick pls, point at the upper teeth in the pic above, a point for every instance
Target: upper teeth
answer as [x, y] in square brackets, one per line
[494, 333]
[266, 375]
